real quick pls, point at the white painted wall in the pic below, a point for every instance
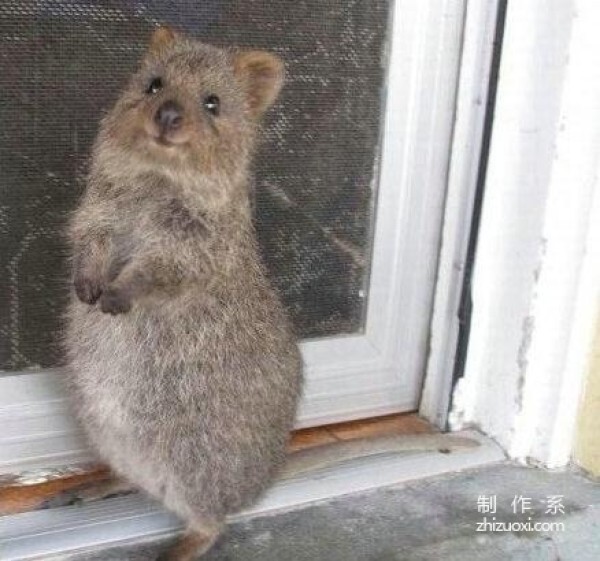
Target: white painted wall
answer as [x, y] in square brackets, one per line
[536, 273]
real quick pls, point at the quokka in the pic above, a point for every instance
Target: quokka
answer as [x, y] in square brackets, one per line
[185, 373]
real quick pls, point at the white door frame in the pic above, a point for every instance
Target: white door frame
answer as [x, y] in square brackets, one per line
[383, 368]
[379, 371]
[536, 283]
[463, 177]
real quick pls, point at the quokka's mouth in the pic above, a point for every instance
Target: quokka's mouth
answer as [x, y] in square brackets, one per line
[163, 142]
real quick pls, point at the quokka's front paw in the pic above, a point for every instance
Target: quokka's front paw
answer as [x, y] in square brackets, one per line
[114, 301]
[88, 289]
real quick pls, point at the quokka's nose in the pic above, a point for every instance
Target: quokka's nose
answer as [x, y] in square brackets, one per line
[169, 116]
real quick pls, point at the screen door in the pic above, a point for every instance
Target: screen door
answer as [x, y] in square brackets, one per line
[349, 181]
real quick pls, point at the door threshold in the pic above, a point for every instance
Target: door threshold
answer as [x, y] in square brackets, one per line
[43, 534]
[35, 489]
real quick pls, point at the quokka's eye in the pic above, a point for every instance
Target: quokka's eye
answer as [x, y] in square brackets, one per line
[212, 104]
[154, 86]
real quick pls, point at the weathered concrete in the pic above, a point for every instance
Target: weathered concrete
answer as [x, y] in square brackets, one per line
[429, 520]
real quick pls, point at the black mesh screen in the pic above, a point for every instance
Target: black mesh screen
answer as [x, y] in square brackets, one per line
[62, 64]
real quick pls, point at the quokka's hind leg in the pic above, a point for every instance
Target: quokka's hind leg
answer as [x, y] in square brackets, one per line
[195, 542]
[102, 490]
[96, 485]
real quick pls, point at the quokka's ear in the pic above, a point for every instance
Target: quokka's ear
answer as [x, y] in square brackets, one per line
[161, 37]
[262, 74]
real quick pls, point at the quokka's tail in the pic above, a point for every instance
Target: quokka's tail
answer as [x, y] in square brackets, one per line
[320, 457]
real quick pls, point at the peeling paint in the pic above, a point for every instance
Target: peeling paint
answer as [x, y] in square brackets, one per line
[36, 477]
[522, 358]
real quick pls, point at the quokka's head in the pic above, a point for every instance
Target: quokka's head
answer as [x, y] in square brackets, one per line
[191, 108]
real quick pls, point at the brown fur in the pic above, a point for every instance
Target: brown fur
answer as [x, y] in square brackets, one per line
[184, 371]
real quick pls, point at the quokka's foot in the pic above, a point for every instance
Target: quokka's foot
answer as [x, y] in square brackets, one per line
[193, 544]
[98, 491]
[115, 301]
[88, 290]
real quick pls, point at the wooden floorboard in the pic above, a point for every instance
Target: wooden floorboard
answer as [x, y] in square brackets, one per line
[407, 423]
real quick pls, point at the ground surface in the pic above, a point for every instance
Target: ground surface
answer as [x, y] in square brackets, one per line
[433, 519]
